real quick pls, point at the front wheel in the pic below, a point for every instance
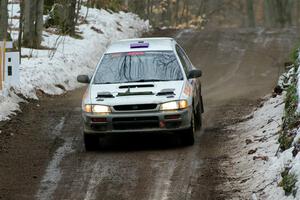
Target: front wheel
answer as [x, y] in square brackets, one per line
[187, 137]
[198, 115]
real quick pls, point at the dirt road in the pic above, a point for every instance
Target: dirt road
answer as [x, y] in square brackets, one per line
[42, 155]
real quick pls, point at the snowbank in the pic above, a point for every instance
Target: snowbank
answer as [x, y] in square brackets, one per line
[264, 161]
[298, 87]
[55, 71]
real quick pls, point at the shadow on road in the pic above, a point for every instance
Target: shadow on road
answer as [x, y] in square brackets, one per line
[139, 142]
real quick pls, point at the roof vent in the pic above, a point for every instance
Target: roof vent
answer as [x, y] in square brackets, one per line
[166, 92]
[138, 45]
[104, 95]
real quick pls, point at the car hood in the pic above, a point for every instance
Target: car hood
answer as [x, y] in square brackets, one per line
[135, 93]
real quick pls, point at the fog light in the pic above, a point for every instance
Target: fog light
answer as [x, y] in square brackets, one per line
[99, 120]
[172, 116]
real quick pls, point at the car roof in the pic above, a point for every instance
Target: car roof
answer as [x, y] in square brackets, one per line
[155, 44]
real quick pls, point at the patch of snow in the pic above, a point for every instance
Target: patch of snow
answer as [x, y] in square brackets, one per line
[264, 167]
[298, 89]
[55, 71]
[286, 78]
[9, 104]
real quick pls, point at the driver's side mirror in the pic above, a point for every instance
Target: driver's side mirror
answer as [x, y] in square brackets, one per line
[83, 79]
[195, 73]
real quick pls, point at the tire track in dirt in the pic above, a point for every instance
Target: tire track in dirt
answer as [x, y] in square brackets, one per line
[142, 166]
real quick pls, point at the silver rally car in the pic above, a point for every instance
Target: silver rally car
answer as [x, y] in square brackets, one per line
[142, 85]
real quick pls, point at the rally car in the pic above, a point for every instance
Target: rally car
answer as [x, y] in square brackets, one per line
[142, 85]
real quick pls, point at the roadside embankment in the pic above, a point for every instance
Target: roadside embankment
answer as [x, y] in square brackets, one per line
[53, 69]
[269, 158]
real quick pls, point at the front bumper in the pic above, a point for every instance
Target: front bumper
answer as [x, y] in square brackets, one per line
[137, 122]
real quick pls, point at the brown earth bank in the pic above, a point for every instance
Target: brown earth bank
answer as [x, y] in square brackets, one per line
[42, 155]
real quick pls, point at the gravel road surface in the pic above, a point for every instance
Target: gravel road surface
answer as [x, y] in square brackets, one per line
[42, 155]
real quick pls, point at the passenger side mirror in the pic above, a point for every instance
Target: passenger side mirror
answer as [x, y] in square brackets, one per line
[83, 79]
[195, 73]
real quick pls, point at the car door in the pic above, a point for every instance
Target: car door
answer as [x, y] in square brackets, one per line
[188, 66]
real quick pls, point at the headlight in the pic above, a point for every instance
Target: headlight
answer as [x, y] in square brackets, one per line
[174, 105]
[98, 109]
[87, 108]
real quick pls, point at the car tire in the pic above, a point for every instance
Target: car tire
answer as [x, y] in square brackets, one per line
[91, 142]
[198, 120]
[187, 137]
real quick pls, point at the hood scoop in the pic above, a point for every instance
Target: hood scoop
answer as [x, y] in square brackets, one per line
[166, 92]
[136, 86]
[102, 95]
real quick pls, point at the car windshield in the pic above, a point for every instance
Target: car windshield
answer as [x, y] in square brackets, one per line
[138, 67]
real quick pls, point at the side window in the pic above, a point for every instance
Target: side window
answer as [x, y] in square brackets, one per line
[182, 60]
[187, 60]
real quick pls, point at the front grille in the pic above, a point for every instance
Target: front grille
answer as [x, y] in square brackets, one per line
[135, 107]
[130, 123]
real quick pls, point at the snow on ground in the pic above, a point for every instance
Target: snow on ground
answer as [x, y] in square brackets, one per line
[54, 71]
[259, 160]
[298, 87]
[260, 135]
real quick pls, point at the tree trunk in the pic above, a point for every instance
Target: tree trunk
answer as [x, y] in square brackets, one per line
[148, 9]
[48, 5]
[126, 3]
[241, 9]
[250, 12]
[68, 17]
[269, 13]
[78, 10]
[33, 23]
[71, 17]
[3, 19]
[21, 28]
[187, 17]
[298, 13]
[201, 7]
[39, 23]
[176, 11]
[28, 23]
[183, 11]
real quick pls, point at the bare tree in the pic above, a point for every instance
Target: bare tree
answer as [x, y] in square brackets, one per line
[69, 15]
[3, 19]
[284, 8]
[250, 12]
[138, 7]
[33, 23]
[148, 9]
[297, 13]
[21, 28]
[176, 11]
[278, 13]
[201, 7]
[79, 2]
[185, 12]
[187, 17]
